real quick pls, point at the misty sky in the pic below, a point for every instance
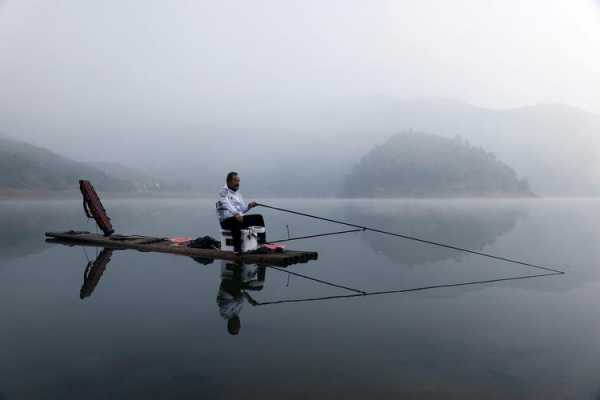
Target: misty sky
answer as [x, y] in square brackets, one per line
[184, 71]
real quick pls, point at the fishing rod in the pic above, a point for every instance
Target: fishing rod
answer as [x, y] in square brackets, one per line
[415, 289]
[414, 238]
[316, 235]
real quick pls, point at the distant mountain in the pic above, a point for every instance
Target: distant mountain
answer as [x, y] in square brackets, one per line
[141, 181]
[415, 164]
[557, 147]
[27, 167]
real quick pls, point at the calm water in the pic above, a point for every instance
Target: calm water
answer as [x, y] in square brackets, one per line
[151, 327]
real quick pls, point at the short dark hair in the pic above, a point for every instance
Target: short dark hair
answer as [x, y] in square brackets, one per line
[231, 175]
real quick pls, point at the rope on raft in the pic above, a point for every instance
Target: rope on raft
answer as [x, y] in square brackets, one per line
[414, 238]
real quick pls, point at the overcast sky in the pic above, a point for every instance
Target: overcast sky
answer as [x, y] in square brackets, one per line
[172, 69]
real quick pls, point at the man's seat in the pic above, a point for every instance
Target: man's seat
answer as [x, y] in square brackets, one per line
[249, 238]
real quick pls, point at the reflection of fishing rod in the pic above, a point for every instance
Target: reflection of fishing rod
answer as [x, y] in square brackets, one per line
[414, 238]
[310, 278]
[416, 289]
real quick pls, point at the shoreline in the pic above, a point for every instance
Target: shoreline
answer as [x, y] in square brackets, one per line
[7, 195]
[41, 195]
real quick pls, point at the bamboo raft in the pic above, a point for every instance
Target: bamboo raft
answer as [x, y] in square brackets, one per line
[163, 245]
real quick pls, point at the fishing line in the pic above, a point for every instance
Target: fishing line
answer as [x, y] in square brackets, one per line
[415, 289]
[85, 253]
[316, 235]
[310, 278]
[416, 239]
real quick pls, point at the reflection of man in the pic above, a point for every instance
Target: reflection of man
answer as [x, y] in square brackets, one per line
[232, 209]
[235, 281]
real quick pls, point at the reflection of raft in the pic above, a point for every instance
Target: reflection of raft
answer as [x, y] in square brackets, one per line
[162, 245]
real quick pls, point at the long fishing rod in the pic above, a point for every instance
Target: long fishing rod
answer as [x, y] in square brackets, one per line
[414, 238]
[415, 289]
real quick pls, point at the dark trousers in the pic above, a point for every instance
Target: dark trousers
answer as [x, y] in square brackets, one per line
[235, 226]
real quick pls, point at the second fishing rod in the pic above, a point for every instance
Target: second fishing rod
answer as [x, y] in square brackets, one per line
[413, 238]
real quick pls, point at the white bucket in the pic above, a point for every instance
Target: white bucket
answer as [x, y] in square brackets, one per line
[249, 238]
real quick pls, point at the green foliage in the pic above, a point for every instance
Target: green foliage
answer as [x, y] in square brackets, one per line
[414, 164]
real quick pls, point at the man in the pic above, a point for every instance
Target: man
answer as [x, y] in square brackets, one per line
[231, 211]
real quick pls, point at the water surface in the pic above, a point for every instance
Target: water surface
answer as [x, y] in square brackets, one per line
[150, 326]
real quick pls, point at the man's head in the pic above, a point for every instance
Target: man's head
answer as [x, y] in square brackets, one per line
[233, 181]
[233, 325]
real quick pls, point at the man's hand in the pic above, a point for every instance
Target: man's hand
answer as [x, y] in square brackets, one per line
[252, 204]
[239, 217]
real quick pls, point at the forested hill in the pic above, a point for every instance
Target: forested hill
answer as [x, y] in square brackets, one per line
[416, 164]
[27, 167]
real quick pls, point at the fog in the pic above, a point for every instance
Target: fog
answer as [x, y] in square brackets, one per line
[193, 89]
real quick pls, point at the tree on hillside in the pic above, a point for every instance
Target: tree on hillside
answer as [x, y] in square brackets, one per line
[416, 164]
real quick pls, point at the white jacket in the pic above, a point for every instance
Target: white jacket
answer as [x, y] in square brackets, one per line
[230, 203]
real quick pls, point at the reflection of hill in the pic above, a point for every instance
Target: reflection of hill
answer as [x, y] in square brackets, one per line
[24, 224]
[473, 227]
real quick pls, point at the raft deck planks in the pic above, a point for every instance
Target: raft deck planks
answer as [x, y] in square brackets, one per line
[140, 243]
